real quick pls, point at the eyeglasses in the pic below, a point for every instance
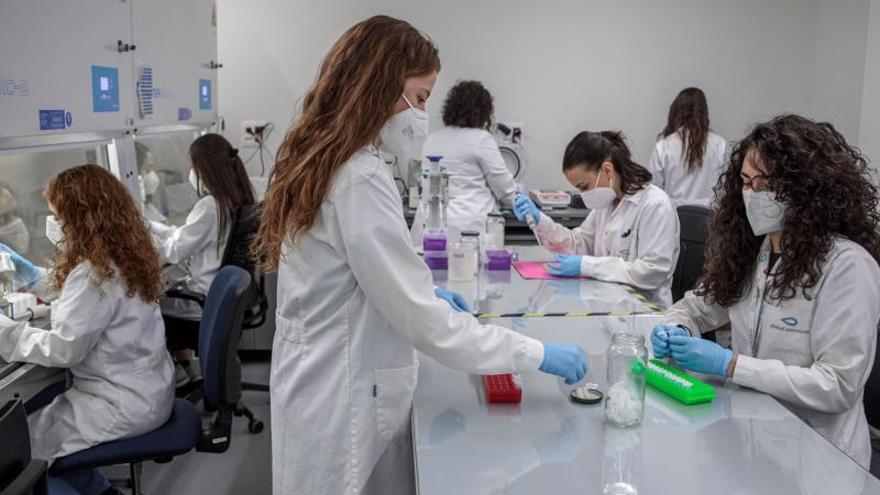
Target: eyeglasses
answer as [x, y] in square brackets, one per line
[756, 183]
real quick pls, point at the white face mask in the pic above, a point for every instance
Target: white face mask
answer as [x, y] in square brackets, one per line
[196, 183]
[405, 132]
[599, 198]
[764, 212]
[53, 230]
[151, 183]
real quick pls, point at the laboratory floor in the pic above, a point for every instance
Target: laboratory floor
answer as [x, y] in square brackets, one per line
[244, 468]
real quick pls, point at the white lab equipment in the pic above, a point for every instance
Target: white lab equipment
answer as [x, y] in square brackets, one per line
[814, 354]
[114, 346]
[354, 302]
[635, 242]
[435, 194]
[21, 305]
[627, 359]
[550, 198]
[511, 144]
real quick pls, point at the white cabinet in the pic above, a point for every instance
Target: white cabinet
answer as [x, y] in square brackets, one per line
[177, 49]
[63, 70]
[60, 70]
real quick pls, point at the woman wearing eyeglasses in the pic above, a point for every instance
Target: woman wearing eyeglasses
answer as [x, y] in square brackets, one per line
[792, 266]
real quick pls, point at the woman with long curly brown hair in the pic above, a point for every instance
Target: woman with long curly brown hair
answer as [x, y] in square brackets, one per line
[792, 267]
[106, 325]
[688, 157]
[354, 299]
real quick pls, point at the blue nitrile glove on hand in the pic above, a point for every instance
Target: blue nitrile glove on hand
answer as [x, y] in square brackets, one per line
[566, 361]
[523, 206]
[566, 266]
[660, 339]
[700, 355]
[25, 271]
[454, 299]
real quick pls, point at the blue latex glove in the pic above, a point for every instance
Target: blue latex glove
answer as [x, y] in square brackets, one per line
[454, 299]
[660, 339]
[700, 355]
[566, 361]
[25, 271]
[566, 266]
[522, 206]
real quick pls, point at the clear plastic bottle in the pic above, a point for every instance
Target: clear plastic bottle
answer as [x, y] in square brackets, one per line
[465, 257]
[494, 231]
[625, 398]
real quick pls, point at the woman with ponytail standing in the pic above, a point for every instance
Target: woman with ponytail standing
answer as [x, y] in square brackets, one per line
[631, 234]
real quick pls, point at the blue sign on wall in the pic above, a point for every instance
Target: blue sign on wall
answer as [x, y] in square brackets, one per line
[204, 94]
[184, 114]
[105, 89]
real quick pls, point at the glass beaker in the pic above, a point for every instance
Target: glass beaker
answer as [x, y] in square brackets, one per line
[625, 398]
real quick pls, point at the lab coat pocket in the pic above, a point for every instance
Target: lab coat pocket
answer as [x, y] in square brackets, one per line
[393, 390]
[292, 330]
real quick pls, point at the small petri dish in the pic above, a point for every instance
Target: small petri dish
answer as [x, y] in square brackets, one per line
[587, 394]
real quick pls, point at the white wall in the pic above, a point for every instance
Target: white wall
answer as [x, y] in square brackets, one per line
[565, 66]
[869, 132]
[841, 31]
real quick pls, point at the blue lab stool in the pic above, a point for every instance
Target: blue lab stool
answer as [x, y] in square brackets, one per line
[177, 436]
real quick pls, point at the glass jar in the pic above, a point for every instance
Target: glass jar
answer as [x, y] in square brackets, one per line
[460, 262]
[627, 359]
[494, 231]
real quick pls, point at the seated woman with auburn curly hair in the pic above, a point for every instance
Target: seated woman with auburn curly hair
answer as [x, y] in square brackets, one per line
[106, 324]
[792, 267]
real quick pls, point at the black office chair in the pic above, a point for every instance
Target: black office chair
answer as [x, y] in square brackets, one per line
[694, 222]
[19, 474]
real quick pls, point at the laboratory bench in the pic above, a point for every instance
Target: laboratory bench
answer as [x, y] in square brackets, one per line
[506, 293]
[741, 442]
[517, 232]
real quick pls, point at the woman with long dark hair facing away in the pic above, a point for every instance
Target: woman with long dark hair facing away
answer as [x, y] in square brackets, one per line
[220, 179]
[354, 299]
[631, 234]
[792, 266]
[106, 326]
[689, 158]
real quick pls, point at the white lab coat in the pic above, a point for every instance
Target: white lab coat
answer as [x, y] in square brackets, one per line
[195, 246]
[115, 348]
[671, 172]
[635, 242]
[478, 177]
[813, 355]
[354, 302]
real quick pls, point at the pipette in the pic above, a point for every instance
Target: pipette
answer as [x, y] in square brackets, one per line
[530, 219]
